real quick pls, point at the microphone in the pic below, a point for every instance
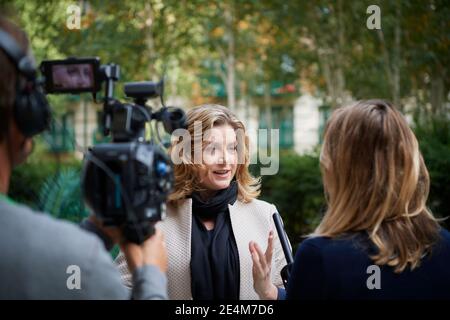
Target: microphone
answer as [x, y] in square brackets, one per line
[286, 271]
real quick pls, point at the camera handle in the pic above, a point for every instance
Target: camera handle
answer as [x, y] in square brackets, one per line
[110, 74]
[286, 271]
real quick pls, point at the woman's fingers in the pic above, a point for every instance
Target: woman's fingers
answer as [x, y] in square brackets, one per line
[258, 270]
[262, 261]
[261, 256]
[265, 259]
[269, 250]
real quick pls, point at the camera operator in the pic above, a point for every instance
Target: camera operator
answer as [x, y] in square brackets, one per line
[38, 253]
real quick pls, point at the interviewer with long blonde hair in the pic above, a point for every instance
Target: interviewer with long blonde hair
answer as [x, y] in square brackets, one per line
[377, 238]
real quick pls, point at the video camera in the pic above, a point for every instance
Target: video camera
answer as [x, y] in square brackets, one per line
[125, 182]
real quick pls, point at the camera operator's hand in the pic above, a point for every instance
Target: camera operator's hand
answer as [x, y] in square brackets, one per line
[113, 233]
[151, 252]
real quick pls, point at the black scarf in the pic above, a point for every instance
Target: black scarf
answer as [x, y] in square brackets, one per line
[214, 255]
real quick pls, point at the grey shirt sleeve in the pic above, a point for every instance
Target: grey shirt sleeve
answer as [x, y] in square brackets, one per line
[103, 280]
[149, 283]
[37, 265]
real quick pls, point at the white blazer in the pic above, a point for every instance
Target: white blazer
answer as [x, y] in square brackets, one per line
[250, 222]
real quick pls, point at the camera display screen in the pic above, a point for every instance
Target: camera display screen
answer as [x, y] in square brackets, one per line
[71, 75]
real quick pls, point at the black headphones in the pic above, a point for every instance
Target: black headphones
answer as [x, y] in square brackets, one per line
[31, 110]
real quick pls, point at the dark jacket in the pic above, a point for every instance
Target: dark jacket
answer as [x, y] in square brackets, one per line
[327, 268]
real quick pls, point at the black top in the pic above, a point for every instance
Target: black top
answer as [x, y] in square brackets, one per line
[327, 268]
[214, 253]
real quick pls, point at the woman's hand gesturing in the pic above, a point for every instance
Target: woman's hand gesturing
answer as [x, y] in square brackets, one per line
[262, 263]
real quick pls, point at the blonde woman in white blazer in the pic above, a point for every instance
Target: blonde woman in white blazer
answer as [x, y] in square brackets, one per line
[213, 214]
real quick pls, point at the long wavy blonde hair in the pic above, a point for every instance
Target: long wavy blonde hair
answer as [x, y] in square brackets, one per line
[376, 181]
[186, 173]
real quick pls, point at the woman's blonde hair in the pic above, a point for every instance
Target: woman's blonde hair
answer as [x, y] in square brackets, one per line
[376, 181]
[186, 173]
